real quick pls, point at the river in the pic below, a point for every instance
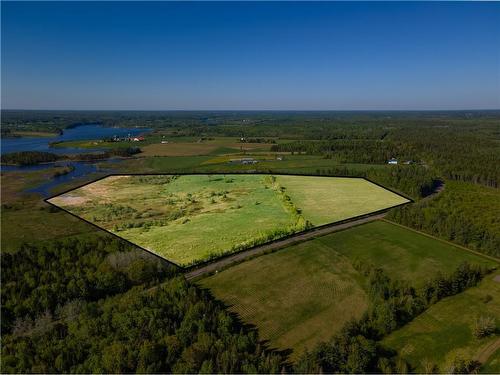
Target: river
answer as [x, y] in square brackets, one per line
[80, 169]
[79, 133]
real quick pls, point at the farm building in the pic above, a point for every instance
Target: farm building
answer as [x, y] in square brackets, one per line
[243, 161]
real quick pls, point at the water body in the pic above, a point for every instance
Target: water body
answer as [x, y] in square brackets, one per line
[79, 133]
[80, 169]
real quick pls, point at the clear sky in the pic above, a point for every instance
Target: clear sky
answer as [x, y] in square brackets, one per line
[299, 56]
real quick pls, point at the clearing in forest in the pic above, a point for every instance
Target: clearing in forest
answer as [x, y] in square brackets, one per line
[188, 219]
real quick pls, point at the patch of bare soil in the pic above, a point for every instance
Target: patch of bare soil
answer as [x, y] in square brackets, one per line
[68, 200]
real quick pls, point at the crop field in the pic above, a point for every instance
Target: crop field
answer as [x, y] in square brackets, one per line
[280, 291]
[445, 330]
[201, 147]
[297, 297]
[192, 218]
[403, 253]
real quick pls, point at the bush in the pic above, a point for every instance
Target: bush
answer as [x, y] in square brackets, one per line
[484, 326]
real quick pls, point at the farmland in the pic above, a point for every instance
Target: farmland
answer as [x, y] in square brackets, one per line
[445, 330]
[321, 202]
[269, 291]
[405, 254]
[195, 147]
[192, 218]
[296, 297]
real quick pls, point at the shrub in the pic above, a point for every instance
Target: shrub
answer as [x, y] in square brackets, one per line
[484, 326]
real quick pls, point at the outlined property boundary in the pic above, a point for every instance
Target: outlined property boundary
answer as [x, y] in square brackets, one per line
[224, 256]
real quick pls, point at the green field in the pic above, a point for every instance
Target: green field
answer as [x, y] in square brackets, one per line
[293, 297]
[191, 218]
[296, 297]
[403, 253]
[26, 218]
[444, 331]
[323, 202]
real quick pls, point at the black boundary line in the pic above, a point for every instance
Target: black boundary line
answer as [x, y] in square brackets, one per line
[226, 255]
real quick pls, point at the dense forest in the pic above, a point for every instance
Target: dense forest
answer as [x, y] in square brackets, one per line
[454, 152]
[25, 158]
[463, 213]
[28, 158]
[40, 279]
[97, 305]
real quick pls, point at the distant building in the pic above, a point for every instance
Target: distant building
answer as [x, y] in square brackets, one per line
[392, 161]
[243, 161]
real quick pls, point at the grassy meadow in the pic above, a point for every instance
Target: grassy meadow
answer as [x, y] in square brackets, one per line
[445, 330]
[191, 218]
[296, 297]
[323, 202]
[403, 253]
[26, 218]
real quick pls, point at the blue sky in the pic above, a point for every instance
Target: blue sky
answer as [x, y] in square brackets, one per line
[299, 56]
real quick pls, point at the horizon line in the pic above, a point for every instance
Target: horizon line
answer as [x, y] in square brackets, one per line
[251, 110]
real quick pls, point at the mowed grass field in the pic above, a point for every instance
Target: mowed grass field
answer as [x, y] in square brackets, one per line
[292, 295]
[297, 297]
[403, 253]
[192, 218]
[444, 331]
[323, 202]
[201, 147]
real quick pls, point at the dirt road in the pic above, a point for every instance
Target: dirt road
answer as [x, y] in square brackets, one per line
[486, 352]
[217, 265]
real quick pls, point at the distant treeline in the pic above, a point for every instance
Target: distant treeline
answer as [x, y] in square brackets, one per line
[457, 153]
[121, 151]
[24, 158]
[460, 145]
[470, 154]
[350, 151]
[28, 158]
[257, 140]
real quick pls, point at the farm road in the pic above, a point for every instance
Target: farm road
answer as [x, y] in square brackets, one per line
[486, 352]
[217, 265]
